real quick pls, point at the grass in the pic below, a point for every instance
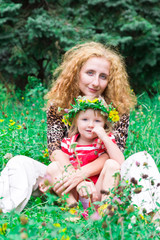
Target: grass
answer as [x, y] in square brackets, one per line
[23, 131]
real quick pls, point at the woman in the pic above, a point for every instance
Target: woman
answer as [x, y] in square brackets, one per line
[87, 69]
[72, 81]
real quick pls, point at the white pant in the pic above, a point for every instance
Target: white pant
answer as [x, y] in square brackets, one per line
[142, 168]
[19, 180]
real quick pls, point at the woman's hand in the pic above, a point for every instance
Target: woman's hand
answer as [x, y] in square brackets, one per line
[68, 181]
[87, 190]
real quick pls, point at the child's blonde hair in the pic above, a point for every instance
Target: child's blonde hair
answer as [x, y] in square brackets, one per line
[66, 87]
[74, 126]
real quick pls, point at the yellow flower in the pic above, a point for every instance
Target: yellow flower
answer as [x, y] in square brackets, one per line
[19, 126]
[112, 114]
[63, 209]
[143, 218]
[102, 209]
[72, 211]
[65, 237]
[11, 120]
[80, 100]
[56, 225]
[12, 123]
[63, 120]
[66, 122]
[22, 98]
[45, 154]
[3, 229]
[115, 118]
[93, 101]
[1, 120]
[63, 230]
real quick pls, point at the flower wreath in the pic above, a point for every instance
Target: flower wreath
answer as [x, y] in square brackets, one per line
[81, 104]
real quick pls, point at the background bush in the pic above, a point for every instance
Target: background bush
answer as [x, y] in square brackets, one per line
[35, 33]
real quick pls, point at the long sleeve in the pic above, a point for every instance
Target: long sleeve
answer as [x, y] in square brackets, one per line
[120, 131]
[56, 129]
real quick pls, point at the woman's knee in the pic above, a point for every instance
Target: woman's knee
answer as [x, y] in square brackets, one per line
[111, 165]
[53, 169]
[17, 161]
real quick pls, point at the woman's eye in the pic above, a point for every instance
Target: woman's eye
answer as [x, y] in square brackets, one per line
[103, 76]
[90, 73]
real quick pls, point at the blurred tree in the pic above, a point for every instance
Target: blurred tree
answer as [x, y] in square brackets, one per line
[35, 33]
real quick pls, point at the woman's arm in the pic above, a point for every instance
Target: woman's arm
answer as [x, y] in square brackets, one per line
[63, 159]
[112, 149]
[56, 131]
[120, 131]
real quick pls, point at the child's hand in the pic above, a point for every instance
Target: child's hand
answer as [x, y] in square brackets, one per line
[100, 132]
[87, 190]
[70, 180]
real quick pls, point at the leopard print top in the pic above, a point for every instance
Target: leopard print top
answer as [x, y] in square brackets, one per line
[56, 130]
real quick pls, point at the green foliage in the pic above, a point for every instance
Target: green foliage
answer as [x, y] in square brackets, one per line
[34, 34]
[23, 124]
[144, 130]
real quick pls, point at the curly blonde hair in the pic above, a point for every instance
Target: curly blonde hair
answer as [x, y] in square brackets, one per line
[66, 87]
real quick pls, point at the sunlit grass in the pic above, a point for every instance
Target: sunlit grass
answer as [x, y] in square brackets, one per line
[23, 131]
[144, 130]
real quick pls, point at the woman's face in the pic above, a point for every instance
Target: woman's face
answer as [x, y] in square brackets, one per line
[93, 78]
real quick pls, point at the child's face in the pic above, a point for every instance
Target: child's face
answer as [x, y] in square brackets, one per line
[87, 121]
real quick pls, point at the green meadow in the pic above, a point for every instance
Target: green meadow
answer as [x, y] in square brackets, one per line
[23, 131]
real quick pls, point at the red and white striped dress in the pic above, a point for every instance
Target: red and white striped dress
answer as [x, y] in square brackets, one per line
[84, 154]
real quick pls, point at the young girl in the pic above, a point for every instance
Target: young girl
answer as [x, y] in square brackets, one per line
[88, 140]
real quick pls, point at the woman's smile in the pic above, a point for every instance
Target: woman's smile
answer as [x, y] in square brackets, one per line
[92, 90]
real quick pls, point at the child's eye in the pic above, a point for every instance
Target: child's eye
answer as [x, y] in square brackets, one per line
[98, 121]
[84, 119]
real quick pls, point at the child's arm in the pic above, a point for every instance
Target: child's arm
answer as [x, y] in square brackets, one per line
[112, 149]
[78, 175]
